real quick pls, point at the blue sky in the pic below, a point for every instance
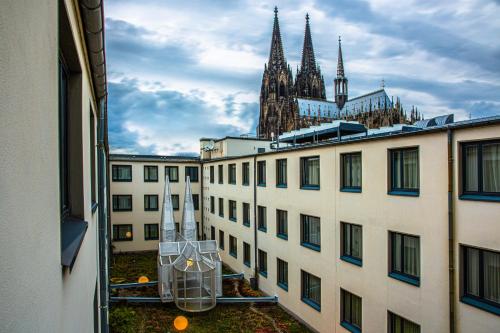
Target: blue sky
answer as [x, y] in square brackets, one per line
[181, 70]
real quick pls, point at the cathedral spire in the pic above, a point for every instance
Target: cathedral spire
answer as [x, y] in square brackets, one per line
[308, 59]
[340, 64]
[340, 81]
[276, 55]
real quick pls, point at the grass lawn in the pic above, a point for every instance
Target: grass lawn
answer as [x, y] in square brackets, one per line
[128, 318]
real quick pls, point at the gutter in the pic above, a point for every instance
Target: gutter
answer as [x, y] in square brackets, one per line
[256, 270]
[451, 233]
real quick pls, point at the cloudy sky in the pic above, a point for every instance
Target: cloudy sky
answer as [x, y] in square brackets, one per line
[181, 70]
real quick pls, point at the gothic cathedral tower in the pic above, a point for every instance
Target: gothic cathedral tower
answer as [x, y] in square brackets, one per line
[340, 82]
[277, 91]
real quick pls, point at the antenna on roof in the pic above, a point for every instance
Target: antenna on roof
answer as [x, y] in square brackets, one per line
[382, 84]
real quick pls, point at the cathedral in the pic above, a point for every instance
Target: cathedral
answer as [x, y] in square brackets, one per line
[287, 104]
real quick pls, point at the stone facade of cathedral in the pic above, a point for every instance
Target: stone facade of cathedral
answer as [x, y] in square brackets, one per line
[287, 104]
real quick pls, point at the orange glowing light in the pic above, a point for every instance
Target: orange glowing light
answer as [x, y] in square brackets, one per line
[143, 279]
[181, 323]
[128, 234]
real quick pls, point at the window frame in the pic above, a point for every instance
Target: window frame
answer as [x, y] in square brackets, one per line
[282, 231]
[233, 246]
[262, 259]
[279, 181]
[146, 231]
[402, 190]
[148, 179]
[344, 255]
[187, 172]
[212, 232]
[303, 234]
[221, 207]
[231, 173]
[196, 203]
[146, 200]
[350, 188]
[401, 275]
[178, 202]
[261, 173]
[116, 232]
[247, 254]
[115, 207]
[303, 177]
[245, 173]
[221, 239]
[233, 211]
[220, 174]
[212, 174]
[391, 316]
[212, 204]
[345, 322]
[167, 173]
[114, 177]
[246, 214]
[304, 296]
[282, 273]
[262, 218]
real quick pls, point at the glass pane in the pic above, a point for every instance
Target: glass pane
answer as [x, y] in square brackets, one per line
[491, 167]
[491, 268]
[346, 172]
[312, 171]
[356, 241]
[356, 170]
[409, 327]
[471, 169]
[410, 169]
[356, 311]
[347, 306]
[411, 258]
[396, 252]
[347, 239]
[396, 171]
[472, 271]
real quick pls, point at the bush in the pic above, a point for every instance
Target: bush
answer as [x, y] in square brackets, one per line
[122, 320]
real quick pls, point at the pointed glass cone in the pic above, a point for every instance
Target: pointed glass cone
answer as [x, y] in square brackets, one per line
[167, 226]
[188, 226]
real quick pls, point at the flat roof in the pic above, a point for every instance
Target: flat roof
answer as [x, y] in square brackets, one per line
[251, 138]
[153, 158]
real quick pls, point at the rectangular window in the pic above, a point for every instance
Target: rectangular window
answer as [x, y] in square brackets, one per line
[245, 173]
[282, 273]
[262, 218]
[64, 141]
[122, 232]
[122, 202]
[151, 232]
[212, 232]
[311, 290]
[175, 201]
[231, 173]
[405, 257]
[221, 207]
[233, 246]
[261, 173]
[172, 172]
[481, 169]
[481, 278]
[282, 223]
[221, 239]
[309, 172]
[212, 174]
[92, 162]
[281, 175]
[196, 202]
[212, 204]
[221, 174]
[192, 173]
[246, 214]
[351, 243]
[404, 171]
[150, 202]
[350, 172]
[232, 210]
[150, 173]
[350, 311]
[397, 324]
[246, 254]
[122, 173]
[262, 263]
[310, 232]
[177, 227]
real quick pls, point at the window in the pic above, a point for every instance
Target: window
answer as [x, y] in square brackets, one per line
[309, 173]
[231, 173]
[282, 273]
[177, 227]
[122, 232]
[246, 254]
[150, 202]
[262, 263]
[232, 210]
[351, 243]
[221, 207]
[150, 173]
[481, 170]
[350, 172]
[151, 231]
[246, 214]
[261, 173]
[233, 246]
[405, 258]
[122, 202]
[212, 174]
[196, 202]
[310, 232]
[481, 278]
[404, 171]
[192, 173]
[212, 232]
[64, 139]
[350, 311]
[172, 172]
[311, 290]
[245, 170]
[399, 324]
[262, 218]
[221, 174]
[212, 204]
[92, 162]
[221, 239]
[175, 201]
[122, 173]
[281, 180]
[282, 223]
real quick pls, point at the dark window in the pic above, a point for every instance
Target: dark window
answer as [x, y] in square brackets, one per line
[282, 223]
[399, 324]
[350, 311]
[212, 204]
[221, 174]
[150, 173]
[150, 202]
[196, 202]
[261, 150]
[122, 202]
[246, 254]
[262, 218]
[481, 168]
[481, 278]
[405, 257]
[64, 140]
[232, 210]
[351, 172]
[233, 246]
[122, 173]
[151, 231]
[309, 172]
[177, 227]
[92, 161]
[221, 239]
[122, 232]
[175, 201]
[282, 273]
[262, 263]
[212, 174]
[245, 173]
[311, 290]
[221, 207]
[404, 171]
[212, 232]
[281, 175]
[231, 172]
[192, 173]
[310, 232]
[351, 248]
[261, 173]
[246, 214]
[172, 172]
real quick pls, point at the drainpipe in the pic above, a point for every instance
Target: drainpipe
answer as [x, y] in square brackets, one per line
[451, 233]
[255, 252]
[200, 203]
